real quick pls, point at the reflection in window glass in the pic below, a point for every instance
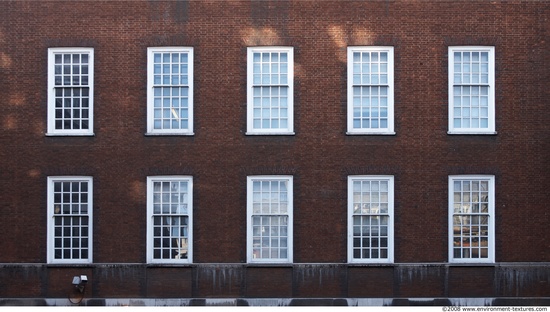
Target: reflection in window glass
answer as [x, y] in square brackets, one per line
[471, 218]
[371, 218]
[270, 83]
[370, 90]
[471, 89]
[170, 213]
[270, 219]
[170, 93]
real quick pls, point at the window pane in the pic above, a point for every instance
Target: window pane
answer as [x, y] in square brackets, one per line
[170, 80]
[270, 220]
[370, 88]
[170, 220]
[469, 238]
[471, 85]
[371, 217]
[270, 84]
[70, 217]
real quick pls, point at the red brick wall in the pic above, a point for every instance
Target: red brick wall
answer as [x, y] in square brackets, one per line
[320, 156]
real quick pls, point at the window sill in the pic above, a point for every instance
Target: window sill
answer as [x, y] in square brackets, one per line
[170, 265]
[71, 264]
[169, 133]
[269, 264]
[371, 264]
[270, 133]
[370, 133]
[471, 264]
[429, 264]
[49, 134]
[472, 133]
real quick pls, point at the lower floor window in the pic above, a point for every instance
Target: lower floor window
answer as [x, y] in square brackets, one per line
[471, 223]
[70, 222]
[471, 218]
[169, 210]
[370, 219]
[269, 211]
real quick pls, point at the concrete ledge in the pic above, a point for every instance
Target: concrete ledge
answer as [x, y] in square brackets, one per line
[282, 302]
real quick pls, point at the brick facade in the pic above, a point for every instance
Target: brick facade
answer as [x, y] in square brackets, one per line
[320, 156]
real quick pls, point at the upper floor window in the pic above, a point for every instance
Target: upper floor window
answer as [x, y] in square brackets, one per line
[270, 95]
[269, 219]
[70, 219]
[170, 90]
[70, 91]
[370, 219]
[471, 218]
[370, 90]
[169, 219]
[471, 90]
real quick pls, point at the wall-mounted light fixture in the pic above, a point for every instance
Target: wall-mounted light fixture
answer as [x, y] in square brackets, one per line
[80, 282]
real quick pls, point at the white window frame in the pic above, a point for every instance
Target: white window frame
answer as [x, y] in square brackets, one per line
[151, 93]
[491, 91]
[491, 221]
[150, 214]
[250, 214]
[51, 128]
[390, 214]
[54, 211]
[389, 129]
[251, 130]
